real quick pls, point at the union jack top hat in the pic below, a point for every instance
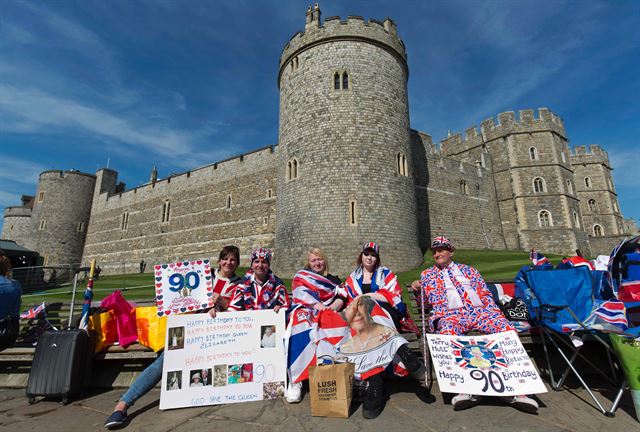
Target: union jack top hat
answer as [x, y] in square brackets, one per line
[441, 242]
[263, 253]
[373, 246]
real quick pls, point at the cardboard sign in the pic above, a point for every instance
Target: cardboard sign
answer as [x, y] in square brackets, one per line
[492, 365]
[182, 287]
[235, 357]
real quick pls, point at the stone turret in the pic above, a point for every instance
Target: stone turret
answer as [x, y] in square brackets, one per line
[344, 146]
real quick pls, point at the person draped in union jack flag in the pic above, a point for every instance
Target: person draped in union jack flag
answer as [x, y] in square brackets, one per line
[314, 289]
[10, 300]
[260, 288]
[461, 303]
[374, 280]
[224, 284]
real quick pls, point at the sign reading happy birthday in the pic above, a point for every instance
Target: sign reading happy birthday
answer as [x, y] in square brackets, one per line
[184, 286]
[234, 357]
[492, 365]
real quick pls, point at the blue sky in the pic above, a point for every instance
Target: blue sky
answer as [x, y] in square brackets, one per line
[180, 84]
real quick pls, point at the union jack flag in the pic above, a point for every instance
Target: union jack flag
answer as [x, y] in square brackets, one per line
[32, 313]
[309, 288]
[609, 315]
[537, 258]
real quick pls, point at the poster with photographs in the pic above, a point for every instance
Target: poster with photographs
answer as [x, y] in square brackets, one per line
[183, 287]
[492, 365]
[235, 357]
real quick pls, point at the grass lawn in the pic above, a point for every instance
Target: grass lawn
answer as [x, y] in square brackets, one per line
[494, 266]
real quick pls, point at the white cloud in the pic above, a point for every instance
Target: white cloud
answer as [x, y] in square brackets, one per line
[625, 165]
[19, 170]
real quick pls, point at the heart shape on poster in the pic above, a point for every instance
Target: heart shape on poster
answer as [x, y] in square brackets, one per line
[207, 277]
[190, 308]
[159, 273]
[172, 265]
[209, 288]
[179, 264]
[160, 313]
[210, 294]
[157, 267]
[158, 279]
[167, 312]
[186, 263]
[183, 309]
[206, 261]
[159, 302]
[159, 291]
[207, 271]
[204, 305]
[164, 266]
[192, 262]
[159, 297]
[199, 262]
[158, 285]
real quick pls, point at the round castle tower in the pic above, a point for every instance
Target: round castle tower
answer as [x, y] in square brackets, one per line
[61, 214]
[344, 146]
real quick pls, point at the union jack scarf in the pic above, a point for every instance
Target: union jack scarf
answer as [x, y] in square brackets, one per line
[251, 294]
[309, 288]
[32, 313]
[223, 286]
[383, 282]
[310, 338]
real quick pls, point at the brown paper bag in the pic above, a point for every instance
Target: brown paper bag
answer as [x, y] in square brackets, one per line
[331, 388]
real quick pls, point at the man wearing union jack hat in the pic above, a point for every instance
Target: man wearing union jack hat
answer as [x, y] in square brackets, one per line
[461, 303]
[260, 288]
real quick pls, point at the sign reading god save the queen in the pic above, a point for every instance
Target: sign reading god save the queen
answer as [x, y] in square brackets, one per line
[184, 286]
[492, 365]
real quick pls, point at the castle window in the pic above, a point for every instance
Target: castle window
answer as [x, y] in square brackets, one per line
[80, 227]
[615, 207]
[576, 220]
[463, 187]
[544, 219]
[533, 153]
[41, 196]
[269, 193]
[292, 169]
[587, 182]
[125, 221]
[265, 221]
[345, 81]
[539, 185]
[569, 187]
[336, 81]
[483, 162]
[229, 201]
[166, 211]
[564, 157]
[43, 225]
[401, 161]
[610, 183]
[353, 213]
[598, 231]
[592, 205]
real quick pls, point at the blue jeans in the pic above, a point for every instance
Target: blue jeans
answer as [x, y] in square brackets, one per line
[145, 381]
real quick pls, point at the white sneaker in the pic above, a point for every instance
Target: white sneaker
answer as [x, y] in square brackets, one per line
[464, 401]
[522, 403]
[294, 392]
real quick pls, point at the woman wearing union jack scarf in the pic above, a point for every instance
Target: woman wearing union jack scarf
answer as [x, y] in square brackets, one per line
[374, 280]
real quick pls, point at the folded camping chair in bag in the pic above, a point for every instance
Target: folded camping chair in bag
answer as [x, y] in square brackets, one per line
[565, 305]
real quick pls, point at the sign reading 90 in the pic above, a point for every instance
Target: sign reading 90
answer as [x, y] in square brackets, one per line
[190, 280]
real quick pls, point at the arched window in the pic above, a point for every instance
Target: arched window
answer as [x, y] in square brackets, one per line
[592, 205]
[463, 187]
[598, 231]
[576, 220]
[564, 157]
[544, 218]
[336, 81]
[539, 185]
[587, 182]
[229, 201]
[569, 187]
[166, 211]
[615, 207]
[345, 81]
[292, 169]
[353, 213]
[401, 162]
[269, 193]
[533, 153]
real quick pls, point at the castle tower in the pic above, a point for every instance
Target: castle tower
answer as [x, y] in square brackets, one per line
[60, 215]
[598, 198]
[344, 146]
[535, 183]
[17, 223]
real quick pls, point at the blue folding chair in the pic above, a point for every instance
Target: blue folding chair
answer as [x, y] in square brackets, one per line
[561, 303]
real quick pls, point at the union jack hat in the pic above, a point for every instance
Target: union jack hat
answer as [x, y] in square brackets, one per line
[441, 242]
[373, 246]
[261, 252]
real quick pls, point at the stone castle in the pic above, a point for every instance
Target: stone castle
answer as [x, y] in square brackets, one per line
[347, 169]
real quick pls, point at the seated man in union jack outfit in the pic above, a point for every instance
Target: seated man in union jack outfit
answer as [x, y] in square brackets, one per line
[461, 303]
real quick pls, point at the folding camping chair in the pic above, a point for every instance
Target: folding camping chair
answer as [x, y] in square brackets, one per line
[560, 301]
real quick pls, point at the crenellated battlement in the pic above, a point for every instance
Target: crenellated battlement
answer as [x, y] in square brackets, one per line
[591, 154]
[384, 34]
[505, 124]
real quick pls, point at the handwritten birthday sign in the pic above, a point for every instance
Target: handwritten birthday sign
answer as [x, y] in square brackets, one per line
[184, 286]
[492, 365]
[210, 361]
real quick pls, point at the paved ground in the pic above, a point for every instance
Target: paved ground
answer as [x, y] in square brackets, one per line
[560, 411]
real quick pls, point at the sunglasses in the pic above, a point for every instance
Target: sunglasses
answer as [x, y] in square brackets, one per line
[368, 253]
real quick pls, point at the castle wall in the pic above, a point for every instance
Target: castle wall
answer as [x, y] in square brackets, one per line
[17, 226]
[60, 216]
[346, 143]
[200, 223]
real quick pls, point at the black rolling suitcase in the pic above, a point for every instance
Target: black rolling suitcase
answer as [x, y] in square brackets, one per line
[61, 365]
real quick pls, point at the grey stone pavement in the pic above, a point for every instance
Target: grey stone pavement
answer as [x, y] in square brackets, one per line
[560, 411]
